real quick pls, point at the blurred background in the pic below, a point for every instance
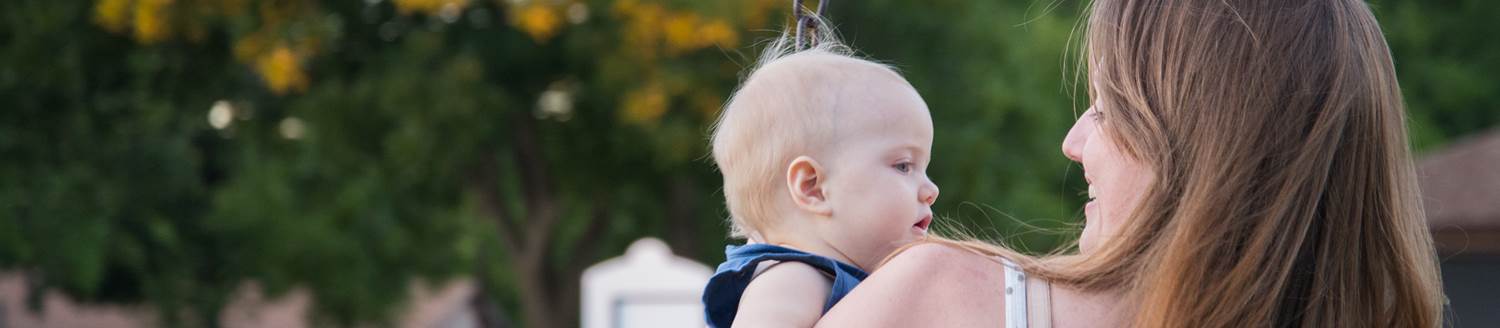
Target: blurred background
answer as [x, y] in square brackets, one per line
[460, 163]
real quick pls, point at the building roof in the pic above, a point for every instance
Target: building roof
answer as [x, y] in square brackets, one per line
[1461, 183]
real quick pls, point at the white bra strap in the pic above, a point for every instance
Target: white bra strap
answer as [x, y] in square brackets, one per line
[1015, 295]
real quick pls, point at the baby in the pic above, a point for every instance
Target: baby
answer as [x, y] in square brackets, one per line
[824, 158]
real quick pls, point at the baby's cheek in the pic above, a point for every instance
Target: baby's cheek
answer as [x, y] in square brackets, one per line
[890, 212]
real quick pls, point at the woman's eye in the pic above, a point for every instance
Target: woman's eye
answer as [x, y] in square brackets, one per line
[903, 167]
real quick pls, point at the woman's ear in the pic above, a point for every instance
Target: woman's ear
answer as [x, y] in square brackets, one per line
[805, 179]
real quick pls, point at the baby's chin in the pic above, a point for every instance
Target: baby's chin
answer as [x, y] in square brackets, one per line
[907, 239]
[890, 248]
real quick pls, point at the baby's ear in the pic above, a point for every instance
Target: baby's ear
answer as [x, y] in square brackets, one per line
[804, 178]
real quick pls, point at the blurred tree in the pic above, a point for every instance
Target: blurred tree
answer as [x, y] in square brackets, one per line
[164, 151]
[997, 77]
[349, 147]
[1447, 64]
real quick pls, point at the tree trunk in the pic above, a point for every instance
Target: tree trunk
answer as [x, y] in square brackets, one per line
[488, 312]
[548, 292]
[536, 303]
[683, 230]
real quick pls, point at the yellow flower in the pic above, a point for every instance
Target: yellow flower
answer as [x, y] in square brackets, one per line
[282, 70]
[645, 105]
[681, 32]
[152, 23]
[757, 12]
[642, 32]
[426, 7]
[113, 15]
[249, 47]
[649, 28]
[538, 20]
[718, 32]
[624, 6]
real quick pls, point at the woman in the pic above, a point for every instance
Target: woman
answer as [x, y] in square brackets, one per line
[1248, 166]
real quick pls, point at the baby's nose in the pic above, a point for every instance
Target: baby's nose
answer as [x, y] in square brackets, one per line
[929, 193]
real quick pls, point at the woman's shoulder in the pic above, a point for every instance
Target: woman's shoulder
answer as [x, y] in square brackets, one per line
[952, 258]
[926, 285]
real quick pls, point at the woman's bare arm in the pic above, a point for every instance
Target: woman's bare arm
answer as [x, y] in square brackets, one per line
[929, 285]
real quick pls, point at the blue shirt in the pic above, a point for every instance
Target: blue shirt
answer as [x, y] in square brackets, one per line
[721, 298]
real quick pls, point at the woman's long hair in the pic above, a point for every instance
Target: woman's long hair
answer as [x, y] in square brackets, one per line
[1285, 192]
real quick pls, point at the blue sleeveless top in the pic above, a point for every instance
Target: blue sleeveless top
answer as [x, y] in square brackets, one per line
[721, 298]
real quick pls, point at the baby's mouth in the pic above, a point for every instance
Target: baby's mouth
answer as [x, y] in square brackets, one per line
[922, 224]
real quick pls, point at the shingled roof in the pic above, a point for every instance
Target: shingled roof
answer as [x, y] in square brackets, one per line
[1461, 191]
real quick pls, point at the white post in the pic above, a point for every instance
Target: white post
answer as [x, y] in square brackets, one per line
[647, 287]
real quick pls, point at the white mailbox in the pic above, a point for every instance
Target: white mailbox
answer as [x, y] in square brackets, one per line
[647, 287]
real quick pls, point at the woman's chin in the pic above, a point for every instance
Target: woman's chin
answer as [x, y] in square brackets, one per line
[1086, 240]
[1089, 209]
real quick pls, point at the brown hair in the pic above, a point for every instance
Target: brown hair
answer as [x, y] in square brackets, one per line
[1285, 191]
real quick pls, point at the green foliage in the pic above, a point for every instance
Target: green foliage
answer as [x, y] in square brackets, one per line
[1447, 61]
[998, 79]
[371, 144]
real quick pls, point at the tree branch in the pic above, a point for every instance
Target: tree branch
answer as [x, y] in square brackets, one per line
[566, 283]
[541, 204]
[484, 181]
[598, 220]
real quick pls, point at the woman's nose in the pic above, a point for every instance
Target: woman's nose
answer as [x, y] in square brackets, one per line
[1078, 136]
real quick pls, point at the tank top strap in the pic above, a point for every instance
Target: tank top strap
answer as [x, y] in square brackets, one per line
[1025, 307]
[1040, 304]
[1015, 295]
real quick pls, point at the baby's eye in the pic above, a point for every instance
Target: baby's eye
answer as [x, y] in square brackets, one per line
[903, 167]
[1098, 115]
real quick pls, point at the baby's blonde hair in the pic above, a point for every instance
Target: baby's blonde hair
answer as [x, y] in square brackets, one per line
[781, 112]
